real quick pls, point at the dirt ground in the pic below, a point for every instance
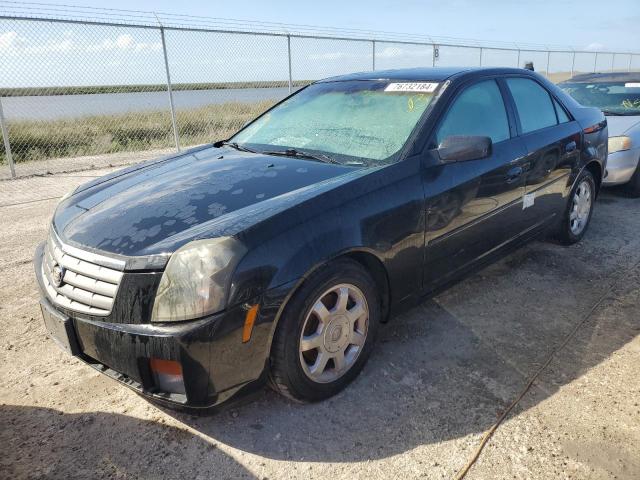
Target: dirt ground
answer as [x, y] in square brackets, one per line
[441, 375]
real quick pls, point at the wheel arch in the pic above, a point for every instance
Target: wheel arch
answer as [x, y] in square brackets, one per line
[596, 170]
[366, 259]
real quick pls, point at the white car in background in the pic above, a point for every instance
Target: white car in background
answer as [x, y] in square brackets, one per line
[618, 96]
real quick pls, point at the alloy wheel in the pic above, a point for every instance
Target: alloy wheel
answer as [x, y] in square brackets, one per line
[580, 208]
[334, 333]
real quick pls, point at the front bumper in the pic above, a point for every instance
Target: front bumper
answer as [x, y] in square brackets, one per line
[621, 166]
[216, 364]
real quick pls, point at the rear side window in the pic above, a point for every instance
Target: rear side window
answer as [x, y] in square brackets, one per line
[562, 115]
[533, 104]
[478, 110]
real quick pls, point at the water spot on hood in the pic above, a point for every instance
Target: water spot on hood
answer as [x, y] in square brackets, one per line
[260, 195]
[302, 170]
[153, 231]
[216, 209]
[237, 191]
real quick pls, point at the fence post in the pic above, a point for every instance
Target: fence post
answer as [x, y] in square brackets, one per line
[7, 145]
[630, 60]
[613, 61]
[573, 63]
[373, 51]
[170, 91]
[480, 56]
[518, 61]
[289, 57]
[548, 59]
[595, 63]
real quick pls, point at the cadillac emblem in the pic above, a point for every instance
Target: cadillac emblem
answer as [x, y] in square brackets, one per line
[57, 275]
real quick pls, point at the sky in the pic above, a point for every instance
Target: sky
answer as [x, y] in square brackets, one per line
[565, 22]
[60, 54]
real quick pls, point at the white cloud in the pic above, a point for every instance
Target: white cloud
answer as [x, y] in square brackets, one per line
[594, 46]
[395, 52]
[329, 56]
[387, 52]
[123, 42]
[8, 41]
[50, 47]
[12, 43]
[390, 52]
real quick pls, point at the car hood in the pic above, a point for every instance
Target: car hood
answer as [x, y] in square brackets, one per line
[619, 125]
[137, 212]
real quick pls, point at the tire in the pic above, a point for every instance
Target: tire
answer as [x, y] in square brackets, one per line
[307, 335]
[633, 187]
[577, 211]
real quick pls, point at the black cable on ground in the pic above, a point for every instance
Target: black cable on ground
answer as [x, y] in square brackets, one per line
[489, 433]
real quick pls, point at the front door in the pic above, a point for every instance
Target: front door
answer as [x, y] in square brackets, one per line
[472, 207]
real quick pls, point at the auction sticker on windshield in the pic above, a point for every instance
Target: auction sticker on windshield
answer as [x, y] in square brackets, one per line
[424, 87]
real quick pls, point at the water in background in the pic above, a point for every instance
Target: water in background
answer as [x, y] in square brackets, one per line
[54, 107]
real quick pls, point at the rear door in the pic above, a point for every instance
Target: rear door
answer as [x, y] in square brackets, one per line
[475, 206]
[552, 140]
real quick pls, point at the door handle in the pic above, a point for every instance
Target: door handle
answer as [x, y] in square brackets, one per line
[514, 174]
[570, 147]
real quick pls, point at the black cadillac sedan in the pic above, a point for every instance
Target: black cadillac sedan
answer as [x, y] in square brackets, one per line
[273, 256]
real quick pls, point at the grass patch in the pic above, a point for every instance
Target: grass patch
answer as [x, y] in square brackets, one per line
[99, 89]
[102, 134]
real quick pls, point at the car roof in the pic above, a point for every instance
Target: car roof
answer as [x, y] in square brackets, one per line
[605, 77]
[435, 74]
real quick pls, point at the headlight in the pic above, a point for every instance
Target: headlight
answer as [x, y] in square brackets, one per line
[197, 279]
[617, 144]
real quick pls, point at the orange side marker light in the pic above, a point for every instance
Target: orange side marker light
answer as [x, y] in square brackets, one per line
[249, 321]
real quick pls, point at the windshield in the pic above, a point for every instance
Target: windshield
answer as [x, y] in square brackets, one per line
[617, 98]
[364, 122]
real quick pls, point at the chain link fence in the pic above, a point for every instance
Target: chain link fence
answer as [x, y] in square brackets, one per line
[81, 94]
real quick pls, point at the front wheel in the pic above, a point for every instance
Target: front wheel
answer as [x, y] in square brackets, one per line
[577, 215]
[326, 333]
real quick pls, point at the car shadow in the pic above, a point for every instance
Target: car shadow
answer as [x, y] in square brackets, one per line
[47, 443]
[609, 194]
[449, 367]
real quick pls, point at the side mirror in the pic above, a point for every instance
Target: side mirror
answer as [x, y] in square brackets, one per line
[459, 148]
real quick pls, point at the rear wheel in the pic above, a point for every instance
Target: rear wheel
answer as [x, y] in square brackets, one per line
[326, 333]
[577, 215]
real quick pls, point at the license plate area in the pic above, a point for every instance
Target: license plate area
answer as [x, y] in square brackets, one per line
[60, 329]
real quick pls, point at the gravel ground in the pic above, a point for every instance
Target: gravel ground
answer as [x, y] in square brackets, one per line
[441, 375]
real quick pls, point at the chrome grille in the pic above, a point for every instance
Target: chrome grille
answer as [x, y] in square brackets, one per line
[90, 281]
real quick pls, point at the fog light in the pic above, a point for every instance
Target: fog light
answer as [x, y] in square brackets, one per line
[168, 375]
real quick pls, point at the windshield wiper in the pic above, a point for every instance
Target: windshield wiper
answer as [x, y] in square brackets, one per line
[292, 152]
[235, 146]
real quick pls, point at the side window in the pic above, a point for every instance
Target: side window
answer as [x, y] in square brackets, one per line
[533, 104]
[562, 115]
[478, 110]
